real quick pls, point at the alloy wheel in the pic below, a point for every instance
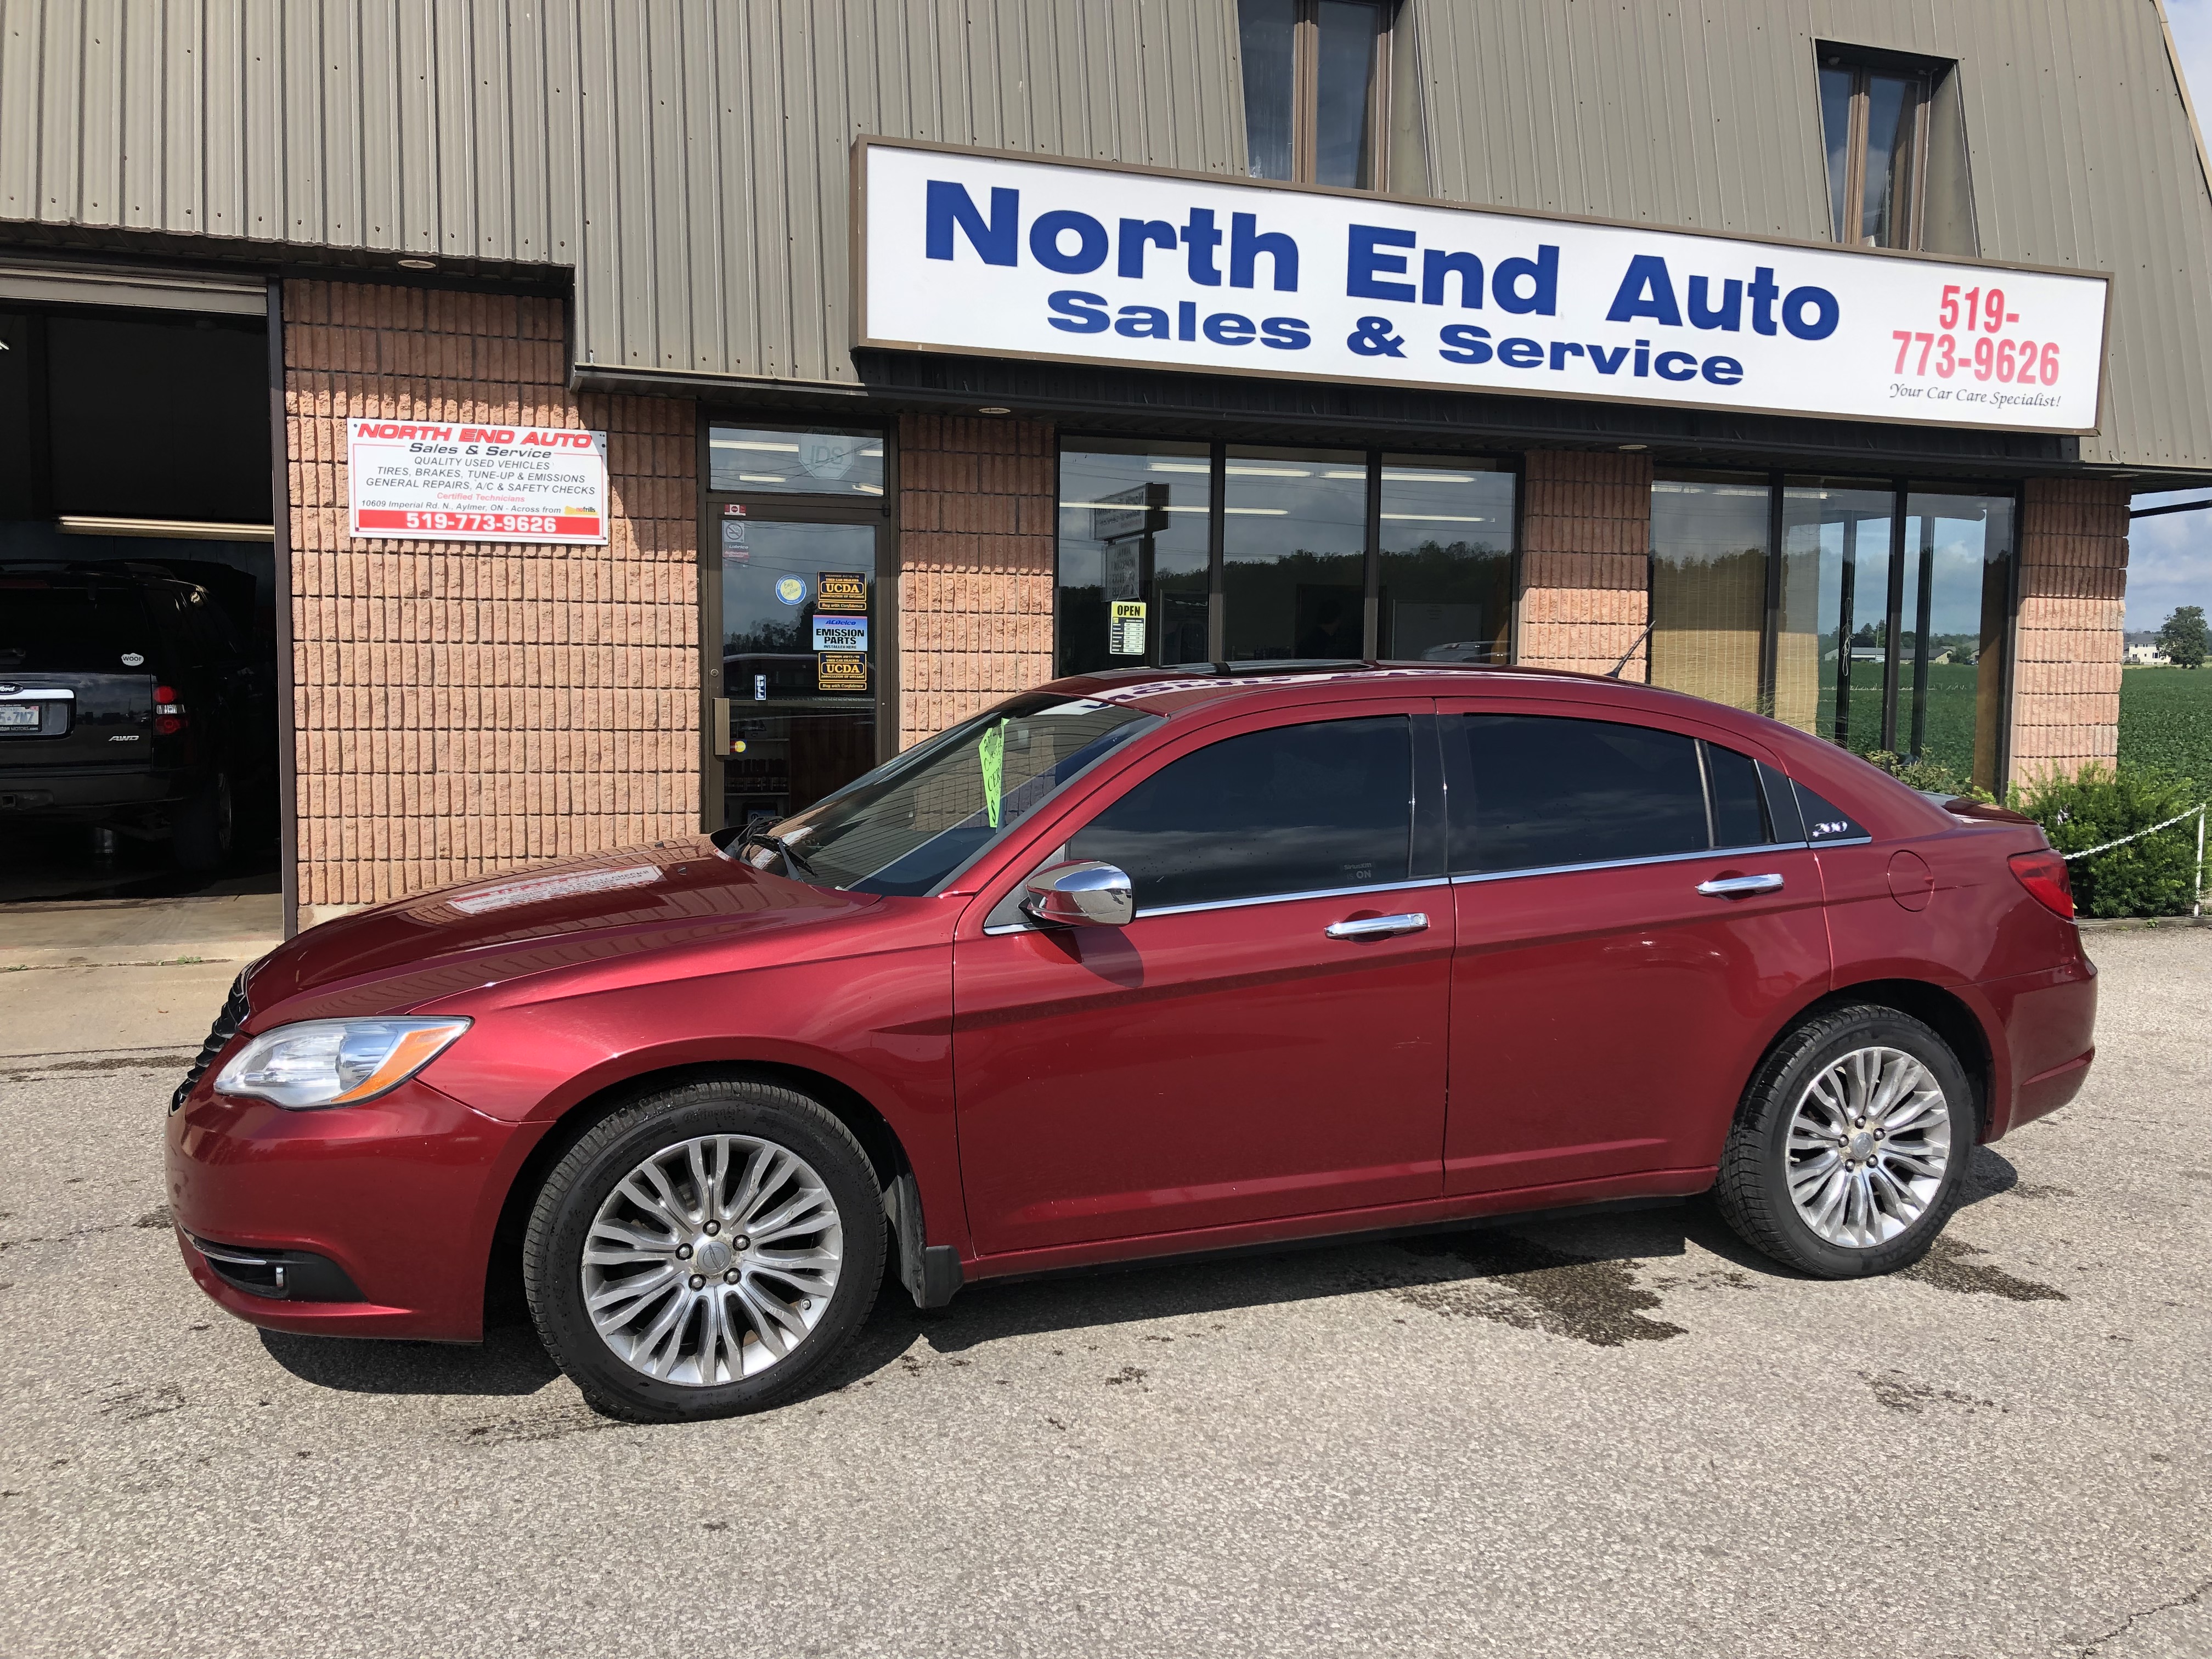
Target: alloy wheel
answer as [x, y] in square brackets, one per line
[1869, 1143]
[712, 1260]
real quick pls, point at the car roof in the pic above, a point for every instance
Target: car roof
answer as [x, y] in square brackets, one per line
[1186, 690]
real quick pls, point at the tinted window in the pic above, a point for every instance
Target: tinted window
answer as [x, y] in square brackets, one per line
[1782, 805]
[1739, 811]
[1293, 809]
[66, 627]
[1550, 792]
[1825, 821]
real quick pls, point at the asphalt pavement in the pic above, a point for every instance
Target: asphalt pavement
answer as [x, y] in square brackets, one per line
[1590, 1438]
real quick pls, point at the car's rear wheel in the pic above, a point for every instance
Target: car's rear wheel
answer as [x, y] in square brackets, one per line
[705, 1251]
[1846, 1156]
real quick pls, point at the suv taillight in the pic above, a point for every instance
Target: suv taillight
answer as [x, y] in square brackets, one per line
[168, 713]
[2044, 875]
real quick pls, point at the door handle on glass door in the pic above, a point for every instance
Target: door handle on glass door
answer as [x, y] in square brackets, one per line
[1740, 886]
[1413, 921]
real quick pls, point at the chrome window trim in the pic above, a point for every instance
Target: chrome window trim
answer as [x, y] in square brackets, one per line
[1659, 858]
[1248, 903]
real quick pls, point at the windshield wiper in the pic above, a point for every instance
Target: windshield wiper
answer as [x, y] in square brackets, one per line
[795, 866]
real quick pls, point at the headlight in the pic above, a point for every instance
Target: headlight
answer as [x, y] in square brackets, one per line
[335, 1062]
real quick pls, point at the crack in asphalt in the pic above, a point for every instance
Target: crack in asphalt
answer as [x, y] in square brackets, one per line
[2189, 1599]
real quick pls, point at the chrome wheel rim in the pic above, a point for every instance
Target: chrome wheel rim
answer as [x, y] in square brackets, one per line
[1869, 1143]
[712, 1260]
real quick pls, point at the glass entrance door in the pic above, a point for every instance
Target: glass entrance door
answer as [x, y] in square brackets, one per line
[799, 660]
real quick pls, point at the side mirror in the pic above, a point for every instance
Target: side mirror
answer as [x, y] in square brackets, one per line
[1084, 895]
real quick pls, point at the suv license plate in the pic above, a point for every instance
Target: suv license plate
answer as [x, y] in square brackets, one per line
[19, 713]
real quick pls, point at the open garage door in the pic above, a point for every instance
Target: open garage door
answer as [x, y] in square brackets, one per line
[138, 593]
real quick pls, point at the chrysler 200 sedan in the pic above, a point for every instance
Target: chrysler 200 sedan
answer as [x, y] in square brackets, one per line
[1136, 965]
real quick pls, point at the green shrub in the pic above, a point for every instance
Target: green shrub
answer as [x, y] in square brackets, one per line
[2153, 877]
[1918, 772]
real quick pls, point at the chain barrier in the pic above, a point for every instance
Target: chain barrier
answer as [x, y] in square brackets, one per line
[2198, 812]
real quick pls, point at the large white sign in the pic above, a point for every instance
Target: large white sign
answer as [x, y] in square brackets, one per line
[452, 481]
[1007, 257]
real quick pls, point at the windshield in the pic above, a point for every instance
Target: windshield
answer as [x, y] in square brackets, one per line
[912, 824]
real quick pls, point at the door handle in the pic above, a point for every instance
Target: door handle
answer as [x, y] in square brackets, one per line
[1412, 921]
[1740, 886]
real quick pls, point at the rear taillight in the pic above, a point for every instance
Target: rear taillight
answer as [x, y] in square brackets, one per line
[2044, 875]
[168, 713]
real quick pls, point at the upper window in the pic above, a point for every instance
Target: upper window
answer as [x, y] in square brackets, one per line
[1893, 133]
[749, 460]
[1316, 89]
[1295, 808]
[1552, 792]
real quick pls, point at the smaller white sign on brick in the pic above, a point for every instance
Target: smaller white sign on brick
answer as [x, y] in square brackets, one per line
[451, 482]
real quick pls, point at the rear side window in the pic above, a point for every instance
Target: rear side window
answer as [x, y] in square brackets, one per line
[1551, 792]
[1739, 805]
[1825, 823]
[1295, 808]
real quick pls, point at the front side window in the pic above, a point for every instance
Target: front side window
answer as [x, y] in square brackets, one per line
[912, 824]
[1552, 792]
[1295, 808]
[1316, 90]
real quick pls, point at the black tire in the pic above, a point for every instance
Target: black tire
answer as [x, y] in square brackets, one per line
[1753, 1189]
[205, 825]
[552, 1251]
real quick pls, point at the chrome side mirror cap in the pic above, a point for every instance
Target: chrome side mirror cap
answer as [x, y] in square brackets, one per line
[1087, 893]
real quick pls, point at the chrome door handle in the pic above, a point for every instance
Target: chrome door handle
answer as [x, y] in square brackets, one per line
[1740, 886]
[1413, 921]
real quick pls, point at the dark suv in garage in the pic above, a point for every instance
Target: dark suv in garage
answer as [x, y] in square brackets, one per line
[128, 704]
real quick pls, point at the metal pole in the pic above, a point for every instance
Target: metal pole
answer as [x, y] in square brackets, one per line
[2197, 910]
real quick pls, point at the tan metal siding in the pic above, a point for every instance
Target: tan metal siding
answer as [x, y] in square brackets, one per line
[688, 157]
[2080, 149]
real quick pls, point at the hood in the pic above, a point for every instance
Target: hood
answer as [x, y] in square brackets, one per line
[579, 910]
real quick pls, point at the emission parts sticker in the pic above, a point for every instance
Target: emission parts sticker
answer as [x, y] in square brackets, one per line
[450, 481]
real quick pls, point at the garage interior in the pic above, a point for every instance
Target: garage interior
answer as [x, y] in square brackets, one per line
[138, 441]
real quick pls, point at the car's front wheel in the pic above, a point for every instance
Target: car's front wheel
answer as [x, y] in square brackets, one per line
[1846, 1156]
[705, 1251]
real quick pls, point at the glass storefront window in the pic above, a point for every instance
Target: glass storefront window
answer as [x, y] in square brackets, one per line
[1708, 536]
[754, 461]
[1832, 651]
[1445, 587]
[1134, 527]
[1294, 553]
[1958, 579]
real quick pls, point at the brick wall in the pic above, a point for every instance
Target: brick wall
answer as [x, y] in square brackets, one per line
[976, 566]
[1585, 559]
[2067, 645]
[463, 708]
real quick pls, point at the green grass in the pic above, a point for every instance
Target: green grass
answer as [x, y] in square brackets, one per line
[2165, 722]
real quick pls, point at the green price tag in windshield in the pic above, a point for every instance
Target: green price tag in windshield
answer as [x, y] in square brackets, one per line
[992, 752]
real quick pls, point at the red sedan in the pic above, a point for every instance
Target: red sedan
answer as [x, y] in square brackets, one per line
[1140, 964]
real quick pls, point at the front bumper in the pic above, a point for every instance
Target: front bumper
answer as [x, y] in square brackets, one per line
[401, 1196]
